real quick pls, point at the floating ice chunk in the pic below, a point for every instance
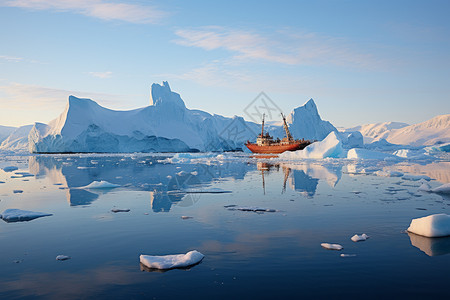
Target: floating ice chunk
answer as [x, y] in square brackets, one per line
[358, 153]
[412, 154]
[437, 225]
[425, 187]
[443, 189]
[100, 185]
[116, 210]
[63, 257]
[415, 177]
[181, 173]
[251, 208]
[347, 255]
[10, 168]
[166, 262]
[18, 215]
[206, 191]
[331, 146]
[331, 246]
[359, 238]
[195, 173]
[389, 173]
[186, 217]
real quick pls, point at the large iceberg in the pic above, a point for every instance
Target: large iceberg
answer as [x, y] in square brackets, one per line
[164, 126]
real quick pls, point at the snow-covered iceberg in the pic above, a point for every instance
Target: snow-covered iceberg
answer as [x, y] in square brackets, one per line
[166, 262]
[437, 225]
[18, 215]
[164, 126]
[331, 146]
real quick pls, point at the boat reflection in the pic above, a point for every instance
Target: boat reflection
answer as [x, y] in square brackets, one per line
[430, 246]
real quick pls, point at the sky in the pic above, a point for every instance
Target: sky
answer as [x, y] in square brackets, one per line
[361, 61]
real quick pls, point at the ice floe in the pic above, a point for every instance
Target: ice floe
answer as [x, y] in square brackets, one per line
[358, 153]
[331, 146]
[347, 255]
[331, 246]
[18, 215]
[166, 262]
[389, 173]
[100, 185]
[437, 225]
[359, 238]
[62, 257]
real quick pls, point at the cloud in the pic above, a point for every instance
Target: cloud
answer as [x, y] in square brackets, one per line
[282, 47]
[101, 9]
[11, 58]
[102, 75]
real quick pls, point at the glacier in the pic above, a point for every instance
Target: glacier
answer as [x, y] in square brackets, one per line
[167, 125]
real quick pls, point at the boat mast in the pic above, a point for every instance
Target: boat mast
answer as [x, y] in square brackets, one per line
[286, 128]
[262, 126]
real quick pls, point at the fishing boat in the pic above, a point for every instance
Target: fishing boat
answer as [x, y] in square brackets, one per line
[266, 144]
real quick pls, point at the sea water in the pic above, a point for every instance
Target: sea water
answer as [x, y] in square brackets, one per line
[258, 255]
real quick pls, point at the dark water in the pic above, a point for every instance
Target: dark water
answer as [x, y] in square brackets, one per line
[247, 254]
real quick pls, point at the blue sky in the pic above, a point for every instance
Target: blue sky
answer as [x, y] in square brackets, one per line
[361, 61]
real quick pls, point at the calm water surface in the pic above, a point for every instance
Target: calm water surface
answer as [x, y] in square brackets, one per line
[247, 255]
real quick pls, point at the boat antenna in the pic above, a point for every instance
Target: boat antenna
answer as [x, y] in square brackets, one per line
[262, 126]
[286, 128]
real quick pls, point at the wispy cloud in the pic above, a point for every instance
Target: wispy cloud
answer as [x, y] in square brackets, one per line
[102, 75]
[11, 58]
[101, 9]
[285, 47]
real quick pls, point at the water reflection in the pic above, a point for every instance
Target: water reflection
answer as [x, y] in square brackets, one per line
[431, 246]
[165, 181]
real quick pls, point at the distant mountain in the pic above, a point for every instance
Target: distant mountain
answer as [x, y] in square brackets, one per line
[5, 131]
[431, 132]
[17, 140]
[373, 132]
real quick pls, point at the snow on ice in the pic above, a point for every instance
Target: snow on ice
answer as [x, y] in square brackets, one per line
[437, 225]
[166, 262]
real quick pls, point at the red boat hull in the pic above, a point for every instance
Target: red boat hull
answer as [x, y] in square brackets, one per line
[276, 148]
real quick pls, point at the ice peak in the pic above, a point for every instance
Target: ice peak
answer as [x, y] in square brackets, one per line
[310, 105]
[163, 95]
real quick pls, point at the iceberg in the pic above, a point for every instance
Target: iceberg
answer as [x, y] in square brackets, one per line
[18, 215]
[331, 146]
[167, 262]
[437, 225]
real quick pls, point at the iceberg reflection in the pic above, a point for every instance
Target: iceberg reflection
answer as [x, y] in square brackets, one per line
[431, 246]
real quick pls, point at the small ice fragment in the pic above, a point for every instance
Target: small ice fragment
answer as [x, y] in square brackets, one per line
[100, 185]
[10, 168]
[437, 225]
[17, 191]
[169, 177]
[251, 208]
[63, 257]
[166, 262]
[348, 255]
[195, 173]
[331, 246]
[116, 210]
[181, 173]
[18, 215]
[359, 238]
[186, 217]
